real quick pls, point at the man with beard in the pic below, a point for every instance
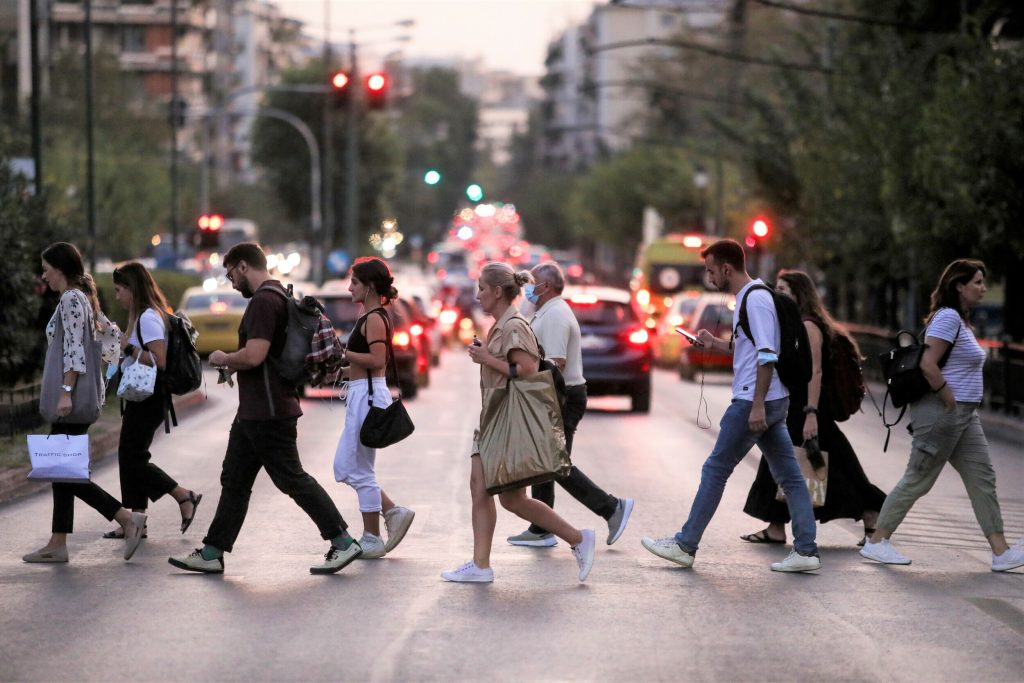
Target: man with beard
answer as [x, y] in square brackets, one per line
[263, 434]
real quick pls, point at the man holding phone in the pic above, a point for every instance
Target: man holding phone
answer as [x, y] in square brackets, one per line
[757, 414]
[558, 332]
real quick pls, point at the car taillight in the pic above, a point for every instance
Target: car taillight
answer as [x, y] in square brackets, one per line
[639, 337]
[416, 330]
[583, 299]
[643, 298]
[448, 316]
[219, 307]
[401, 339]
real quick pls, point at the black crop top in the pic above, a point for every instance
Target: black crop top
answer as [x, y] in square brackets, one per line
[357, 339]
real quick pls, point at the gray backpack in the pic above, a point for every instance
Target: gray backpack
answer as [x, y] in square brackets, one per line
[303, 321]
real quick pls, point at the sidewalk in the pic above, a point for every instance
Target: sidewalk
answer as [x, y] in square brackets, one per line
[102, 443]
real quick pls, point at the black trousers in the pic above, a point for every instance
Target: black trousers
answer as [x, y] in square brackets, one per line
[64, 493]
[271, 444]
[140, 478]
[577, 484]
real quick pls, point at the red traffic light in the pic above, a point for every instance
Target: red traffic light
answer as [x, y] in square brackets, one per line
[339, 80]
[376, 82]
[212, 222]
[760, 228]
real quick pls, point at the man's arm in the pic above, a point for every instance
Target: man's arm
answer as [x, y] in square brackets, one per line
[757, 421]
[246, 358]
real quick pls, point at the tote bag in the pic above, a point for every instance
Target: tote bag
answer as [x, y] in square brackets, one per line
[59, 457]
[817, 481]
[138, 380]
[87, 398]
[522, 436]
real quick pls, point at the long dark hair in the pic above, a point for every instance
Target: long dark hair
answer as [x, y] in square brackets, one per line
[145, 292]
[808, 300]
[66, 258]
[945, 294]
[373, 271]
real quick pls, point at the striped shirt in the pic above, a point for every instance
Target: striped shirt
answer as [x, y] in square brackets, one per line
[963, 370]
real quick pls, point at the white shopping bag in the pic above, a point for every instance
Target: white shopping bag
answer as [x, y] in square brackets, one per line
[59, 457]
[138, 381]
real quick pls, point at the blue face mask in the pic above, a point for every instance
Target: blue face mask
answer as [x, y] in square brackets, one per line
[530, 292]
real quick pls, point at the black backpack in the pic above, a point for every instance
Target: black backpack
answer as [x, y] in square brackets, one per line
[794, 366]
[303, 322]
[843, 384]
[183, 371]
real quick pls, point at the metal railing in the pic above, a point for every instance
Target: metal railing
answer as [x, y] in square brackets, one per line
[19, 409]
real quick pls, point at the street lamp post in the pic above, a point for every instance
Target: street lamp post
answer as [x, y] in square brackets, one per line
[90, 151]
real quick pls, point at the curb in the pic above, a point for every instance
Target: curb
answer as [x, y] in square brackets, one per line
[14, 484]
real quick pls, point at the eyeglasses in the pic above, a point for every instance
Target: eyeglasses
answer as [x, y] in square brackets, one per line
[228, 274]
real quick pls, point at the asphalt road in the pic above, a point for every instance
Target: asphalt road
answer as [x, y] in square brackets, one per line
[944, 618]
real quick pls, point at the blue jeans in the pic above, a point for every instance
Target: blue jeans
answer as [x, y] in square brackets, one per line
[734, 442]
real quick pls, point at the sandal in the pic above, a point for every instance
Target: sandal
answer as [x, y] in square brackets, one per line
[186, 522]
[118, 533]
[868, 533]
[762, 537]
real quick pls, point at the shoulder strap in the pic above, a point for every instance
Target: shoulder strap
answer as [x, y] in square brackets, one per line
[744, 322]
[389, 363]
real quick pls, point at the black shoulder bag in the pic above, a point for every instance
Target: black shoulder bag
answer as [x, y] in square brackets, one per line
[385, 426]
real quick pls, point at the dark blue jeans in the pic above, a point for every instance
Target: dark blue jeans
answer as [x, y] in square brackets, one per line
[734, 442]
[254, 445]
[578, 485]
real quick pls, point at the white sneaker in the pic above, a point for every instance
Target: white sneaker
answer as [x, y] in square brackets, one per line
[619, 520]
[883, 552]
[337, 559]
[667, 549]
[1012, 558]
[373, 547]
[532, 540]
[584, 553]
[195, 562]
[469, 573]
[397, 521]
[795, 562]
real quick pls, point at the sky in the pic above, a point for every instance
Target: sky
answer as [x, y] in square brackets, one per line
[501, 34]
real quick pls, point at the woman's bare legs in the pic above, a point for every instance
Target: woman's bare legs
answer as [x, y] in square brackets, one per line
[485, 516]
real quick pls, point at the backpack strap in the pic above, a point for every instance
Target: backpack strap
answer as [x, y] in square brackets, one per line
[744, 321]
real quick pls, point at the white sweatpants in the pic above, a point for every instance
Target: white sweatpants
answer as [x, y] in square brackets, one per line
[354, 462]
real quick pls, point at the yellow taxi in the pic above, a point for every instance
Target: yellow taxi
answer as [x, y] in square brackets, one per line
[216, 315]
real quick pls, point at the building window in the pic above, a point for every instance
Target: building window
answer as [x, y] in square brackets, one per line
[133, 39]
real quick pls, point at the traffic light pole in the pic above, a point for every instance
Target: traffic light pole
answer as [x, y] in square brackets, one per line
[174, 112]
[90, 152]
[352, 155]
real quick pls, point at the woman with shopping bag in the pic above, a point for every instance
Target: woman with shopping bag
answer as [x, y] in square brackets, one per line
[510, 352]
[72, 393]
[144, 355]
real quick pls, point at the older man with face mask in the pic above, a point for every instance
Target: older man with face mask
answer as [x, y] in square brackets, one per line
[559, 335]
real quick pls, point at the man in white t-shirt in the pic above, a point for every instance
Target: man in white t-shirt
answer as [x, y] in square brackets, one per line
[757, 415]
[558, 332]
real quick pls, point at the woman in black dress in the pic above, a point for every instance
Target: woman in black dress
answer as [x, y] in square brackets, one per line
[849, 494]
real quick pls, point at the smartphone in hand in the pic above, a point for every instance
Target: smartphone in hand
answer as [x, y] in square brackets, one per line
[690, 337]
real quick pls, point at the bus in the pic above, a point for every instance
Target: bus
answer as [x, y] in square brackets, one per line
[664, 267]
[237, 230]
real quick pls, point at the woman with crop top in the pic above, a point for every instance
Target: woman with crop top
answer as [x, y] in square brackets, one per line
[367, 354]
[945, 422]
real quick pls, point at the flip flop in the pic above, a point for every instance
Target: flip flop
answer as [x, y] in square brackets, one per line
[761, 537]
[186, 522]
[868, 533]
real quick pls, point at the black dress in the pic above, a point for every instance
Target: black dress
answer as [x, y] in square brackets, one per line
[849, 492]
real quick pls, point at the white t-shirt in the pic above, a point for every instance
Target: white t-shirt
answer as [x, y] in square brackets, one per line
[558, 332]
[963, 370]
[764, 325]
[153, 329]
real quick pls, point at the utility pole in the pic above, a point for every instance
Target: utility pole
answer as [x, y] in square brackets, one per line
[352, 153]
[174, 110]
[90, 166]
[326, 239]
[37, 135]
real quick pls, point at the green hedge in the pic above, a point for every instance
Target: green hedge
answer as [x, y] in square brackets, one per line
[171, 282]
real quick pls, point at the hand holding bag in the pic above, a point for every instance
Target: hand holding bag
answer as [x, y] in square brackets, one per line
[87, 398]
[385, 426]
[522, 436]
[138, 380]
[59, 457]
[816, 478]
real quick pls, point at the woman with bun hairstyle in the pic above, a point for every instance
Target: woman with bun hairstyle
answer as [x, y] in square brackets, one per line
[368, 354]
[146, 343]
[82, 321]
[510, 341]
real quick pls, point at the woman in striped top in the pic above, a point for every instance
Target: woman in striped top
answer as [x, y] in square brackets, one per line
[945, 422]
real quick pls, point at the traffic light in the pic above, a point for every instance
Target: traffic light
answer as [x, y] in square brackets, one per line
[376, 90]
[209, 230]
[760, 231]
[432, 177]
[340, 88]
[474, 193]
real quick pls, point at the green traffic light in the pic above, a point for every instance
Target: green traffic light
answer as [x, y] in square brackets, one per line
[474, 192]
[432, 177]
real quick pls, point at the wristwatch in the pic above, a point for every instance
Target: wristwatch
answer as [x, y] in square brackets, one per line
[129, 350]
[67, 388]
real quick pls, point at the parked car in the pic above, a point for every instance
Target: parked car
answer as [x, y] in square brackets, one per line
[410, 358]
[426, 311]
[713, 312]
[216, 315]
[614, 343]
[667, 343]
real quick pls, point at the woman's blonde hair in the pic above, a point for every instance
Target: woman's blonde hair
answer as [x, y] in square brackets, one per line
[498, 274]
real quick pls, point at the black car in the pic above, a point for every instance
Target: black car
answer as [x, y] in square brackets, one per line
[614, 343]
